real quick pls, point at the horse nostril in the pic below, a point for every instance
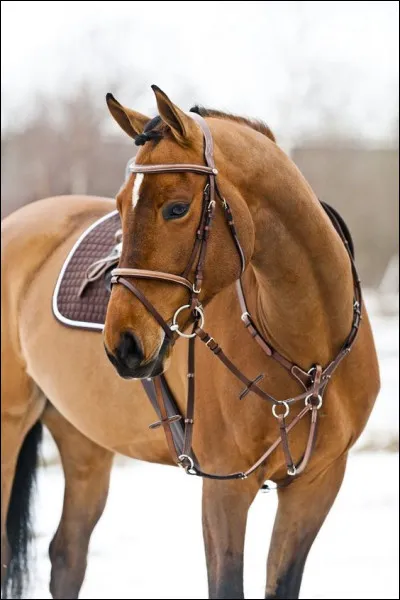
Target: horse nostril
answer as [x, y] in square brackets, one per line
[129, 351]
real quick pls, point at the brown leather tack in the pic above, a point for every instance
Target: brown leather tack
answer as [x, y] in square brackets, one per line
[313, 382]
[82, 297]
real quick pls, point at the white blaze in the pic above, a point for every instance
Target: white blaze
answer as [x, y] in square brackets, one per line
[136, 188]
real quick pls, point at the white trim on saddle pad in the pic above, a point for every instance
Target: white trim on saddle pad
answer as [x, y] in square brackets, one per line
[57, 314]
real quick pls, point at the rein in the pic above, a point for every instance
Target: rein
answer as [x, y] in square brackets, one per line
[313, 382]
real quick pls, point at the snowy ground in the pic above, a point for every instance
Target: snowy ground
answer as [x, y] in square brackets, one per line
[383, 427]
[354, 556]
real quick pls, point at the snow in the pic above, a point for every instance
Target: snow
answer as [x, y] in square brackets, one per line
[383, 426]
[132, 555]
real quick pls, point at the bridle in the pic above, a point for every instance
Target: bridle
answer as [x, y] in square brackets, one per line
[200, 245]
[314, 381]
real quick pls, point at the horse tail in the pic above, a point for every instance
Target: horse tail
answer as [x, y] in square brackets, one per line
[19, 517]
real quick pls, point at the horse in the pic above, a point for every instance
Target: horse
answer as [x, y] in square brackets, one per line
[211, 200]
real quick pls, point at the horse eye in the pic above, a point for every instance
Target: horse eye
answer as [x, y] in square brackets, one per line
[175, 211]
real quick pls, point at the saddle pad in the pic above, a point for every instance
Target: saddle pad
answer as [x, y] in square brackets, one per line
[86, 311]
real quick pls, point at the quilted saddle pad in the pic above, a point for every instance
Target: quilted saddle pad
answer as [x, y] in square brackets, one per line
[81, 294]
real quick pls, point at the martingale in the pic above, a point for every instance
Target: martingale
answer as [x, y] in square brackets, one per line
[314, 381]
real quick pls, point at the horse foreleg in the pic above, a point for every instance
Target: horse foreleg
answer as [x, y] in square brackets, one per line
[225, 508]
[87, 469]
[302, 509]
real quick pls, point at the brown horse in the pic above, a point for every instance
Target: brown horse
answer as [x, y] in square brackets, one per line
[298, 283]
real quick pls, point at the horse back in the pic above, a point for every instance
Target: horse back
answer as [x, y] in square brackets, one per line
[31, 235]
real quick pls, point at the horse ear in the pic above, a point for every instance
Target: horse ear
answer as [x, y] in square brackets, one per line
[129, 120]
[182, 126]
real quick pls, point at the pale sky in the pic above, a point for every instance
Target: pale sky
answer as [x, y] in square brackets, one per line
[258, 58]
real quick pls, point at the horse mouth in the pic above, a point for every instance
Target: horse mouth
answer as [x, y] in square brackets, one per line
[154, 367]
[161, 363]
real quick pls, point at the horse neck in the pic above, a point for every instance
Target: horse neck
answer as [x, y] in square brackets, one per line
[299, 281]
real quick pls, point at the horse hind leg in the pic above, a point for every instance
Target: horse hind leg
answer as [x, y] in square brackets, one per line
[87, 469]
[22, 405]
[302, 509]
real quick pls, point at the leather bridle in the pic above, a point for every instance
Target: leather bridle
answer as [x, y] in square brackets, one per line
[314, 381]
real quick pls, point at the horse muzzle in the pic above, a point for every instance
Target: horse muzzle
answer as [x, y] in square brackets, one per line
[129, 360]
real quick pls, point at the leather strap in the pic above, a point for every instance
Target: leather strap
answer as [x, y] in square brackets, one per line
[285, 443]
[132, 288]
[165, 420]
[144, 274]
[296, 371]
[313, 382]
[250, 384]
[171, 406]
[208, 140]
[310, 443]
[189, 420]
[259, 462]
[176, 168]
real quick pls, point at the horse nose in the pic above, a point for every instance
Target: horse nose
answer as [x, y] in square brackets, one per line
[129, 352]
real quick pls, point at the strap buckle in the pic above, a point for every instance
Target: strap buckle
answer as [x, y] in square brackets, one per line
[194, 289]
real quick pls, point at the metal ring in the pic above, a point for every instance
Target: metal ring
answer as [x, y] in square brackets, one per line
[307, 403]
[285, 414]
[183, 457]
[292, 471]
[175, 326]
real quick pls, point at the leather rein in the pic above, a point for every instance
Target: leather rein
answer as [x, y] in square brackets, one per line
[313, 382]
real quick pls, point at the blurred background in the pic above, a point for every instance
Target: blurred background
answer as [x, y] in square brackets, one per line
[323, 75]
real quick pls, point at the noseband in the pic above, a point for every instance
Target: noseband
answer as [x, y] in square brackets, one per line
[313, 382]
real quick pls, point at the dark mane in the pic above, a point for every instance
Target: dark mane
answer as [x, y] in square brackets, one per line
[155, 129]
[256, 124]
